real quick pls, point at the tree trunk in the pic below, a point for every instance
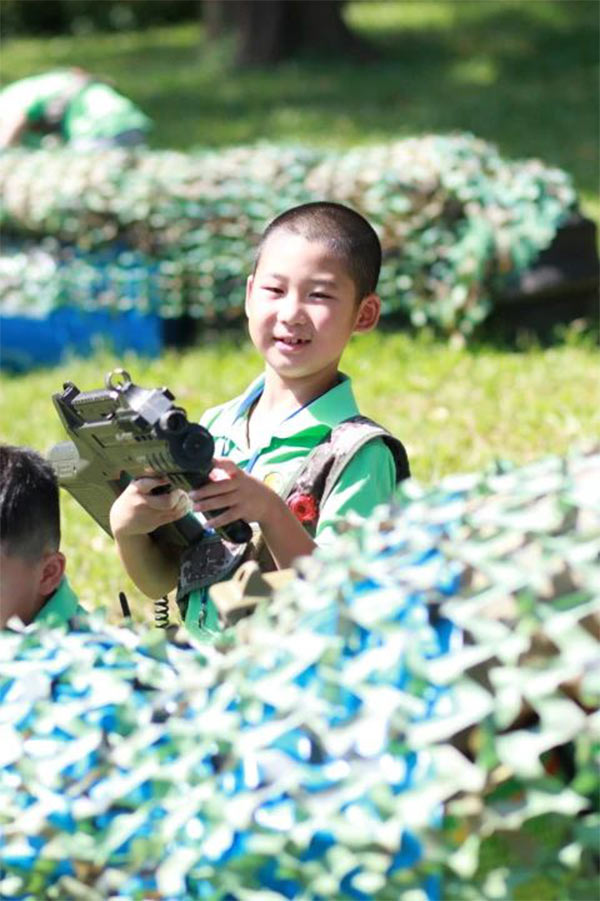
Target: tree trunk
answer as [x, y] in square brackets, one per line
[269, 31]
[218, 16]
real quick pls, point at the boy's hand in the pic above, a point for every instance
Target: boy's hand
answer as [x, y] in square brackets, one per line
[137, 511]
[236, 494]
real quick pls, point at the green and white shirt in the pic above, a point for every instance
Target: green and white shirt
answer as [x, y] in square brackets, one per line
[60, 607]
[94, 111]
[366, 481]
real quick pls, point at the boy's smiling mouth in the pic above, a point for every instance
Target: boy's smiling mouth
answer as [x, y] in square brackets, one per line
[289, 341]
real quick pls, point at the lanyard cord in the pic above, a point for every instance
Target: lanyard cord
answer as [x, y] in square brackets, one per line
[247, 405]
[249, 466]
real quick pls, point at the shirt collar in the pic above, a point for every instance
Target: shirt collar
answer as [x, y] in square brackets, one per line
[60, 606]
[327, 410]
[252, 393]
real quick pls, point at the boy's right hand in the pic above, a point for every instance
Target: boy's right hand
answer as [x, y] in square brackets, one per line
[137, 511]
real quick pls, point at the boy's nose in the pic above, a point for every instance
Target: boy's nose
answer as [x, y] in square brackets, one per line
[291, 310]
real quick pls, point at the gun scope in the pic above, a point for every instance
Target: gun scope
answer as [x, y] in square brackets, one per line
[193, 449]
[173, 422]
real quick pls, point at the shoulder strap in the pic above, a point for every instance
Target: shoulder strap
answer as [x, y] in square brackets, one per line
[323, 466]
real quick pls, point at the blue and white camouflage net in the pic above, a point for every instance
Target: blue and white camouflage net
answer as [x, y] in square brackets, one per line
[413, 716]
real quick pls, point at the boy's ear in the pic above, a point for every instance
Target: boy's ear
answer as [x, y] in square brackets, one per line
[249, 283]
[53, 569]
[368, 314]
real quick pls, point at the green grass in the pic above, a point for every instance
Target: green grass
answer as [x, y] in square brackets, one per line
[521, 74]
[456, 410]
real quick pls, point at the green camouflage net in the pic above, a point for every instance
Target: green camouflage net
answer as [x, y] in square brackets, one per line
[173, 233]
[414, 716]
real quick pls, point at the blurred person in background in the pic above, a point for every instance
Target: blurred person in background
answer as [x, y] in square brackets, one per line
[69, 106]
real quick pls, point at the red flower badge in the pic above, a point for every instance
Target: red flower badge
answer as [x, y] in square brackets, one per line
[304, 507]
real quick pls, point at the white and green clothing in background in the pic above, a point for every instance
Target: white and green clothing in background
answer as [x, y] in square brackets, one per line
[95, 112]
[368, 479]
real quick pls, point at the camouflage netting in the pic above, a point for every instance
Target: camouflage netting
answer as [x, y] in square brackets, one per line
[173, 233]
[418, 710]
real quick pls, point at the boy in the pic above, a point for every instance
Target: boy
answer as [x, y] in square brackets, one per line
[33, 585]
[312, 287]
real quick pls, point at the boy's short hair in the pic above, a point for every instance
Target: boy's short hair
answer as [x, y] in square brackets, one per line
[29, 504]
[348, 234]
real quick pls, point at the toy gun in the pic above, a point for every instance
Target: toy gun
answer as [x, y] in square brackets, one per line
[123, 432]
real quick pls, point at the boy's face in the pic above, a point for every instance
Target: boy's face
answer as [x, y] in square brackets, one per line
[302, 308]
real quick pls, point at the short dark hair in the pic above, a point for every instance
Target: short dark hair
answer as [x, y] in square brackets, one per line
[348, 234]
[29, 504]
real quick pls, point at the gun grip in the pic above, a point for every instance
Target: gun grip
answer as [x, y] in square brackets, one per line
[239, 531]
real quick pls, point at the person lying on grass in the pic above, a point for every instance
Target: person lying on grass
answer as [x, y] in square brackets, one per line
[33, 585]
[293, 455]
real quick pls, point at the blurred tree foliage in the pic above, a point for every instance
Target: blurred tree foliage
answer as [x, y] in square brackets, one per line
[81, 16]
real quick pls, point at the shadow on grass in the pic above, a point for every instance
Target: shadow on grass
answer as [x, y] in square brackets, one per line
[523, 76]
[528, 85]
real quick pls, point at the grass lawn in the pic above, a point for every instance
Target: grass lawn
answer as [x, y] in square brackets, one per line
[523, 75]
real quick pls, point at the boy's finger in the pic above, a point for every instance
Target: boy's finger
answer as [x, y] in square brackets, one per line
[223, 470]
[212, 489]
[224, 518]
[225, 464]
[176, 499]
[183, 505]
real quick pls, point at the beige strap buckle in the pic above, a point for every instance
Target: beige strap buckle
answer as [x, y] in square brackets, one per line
[239, 596]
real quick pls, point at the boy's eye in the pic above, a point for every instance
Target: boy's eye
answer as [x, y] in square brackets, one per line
[273, 289]
[320, 295]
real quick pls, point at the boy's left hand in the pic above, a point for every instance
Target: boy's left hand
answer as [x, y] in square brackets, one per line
[236, 494]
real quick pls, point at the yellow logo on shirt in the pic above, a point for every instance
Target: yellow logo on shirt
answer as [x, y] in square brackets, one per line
[273, 480]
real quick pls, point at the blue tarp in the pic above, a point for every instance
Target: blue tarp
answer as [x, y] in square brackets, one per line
[27, 342]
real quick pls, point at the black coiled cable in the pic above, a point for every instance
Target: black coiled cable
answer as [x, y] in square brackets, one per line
[161, 613]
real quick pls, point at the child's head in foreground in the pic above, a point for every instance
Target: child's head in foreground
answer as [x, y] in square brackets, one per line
[314, 285]
[31, 565]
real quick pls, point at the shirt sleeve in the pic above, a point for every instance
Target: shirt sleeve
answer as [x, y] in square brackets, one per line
[367, 481]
